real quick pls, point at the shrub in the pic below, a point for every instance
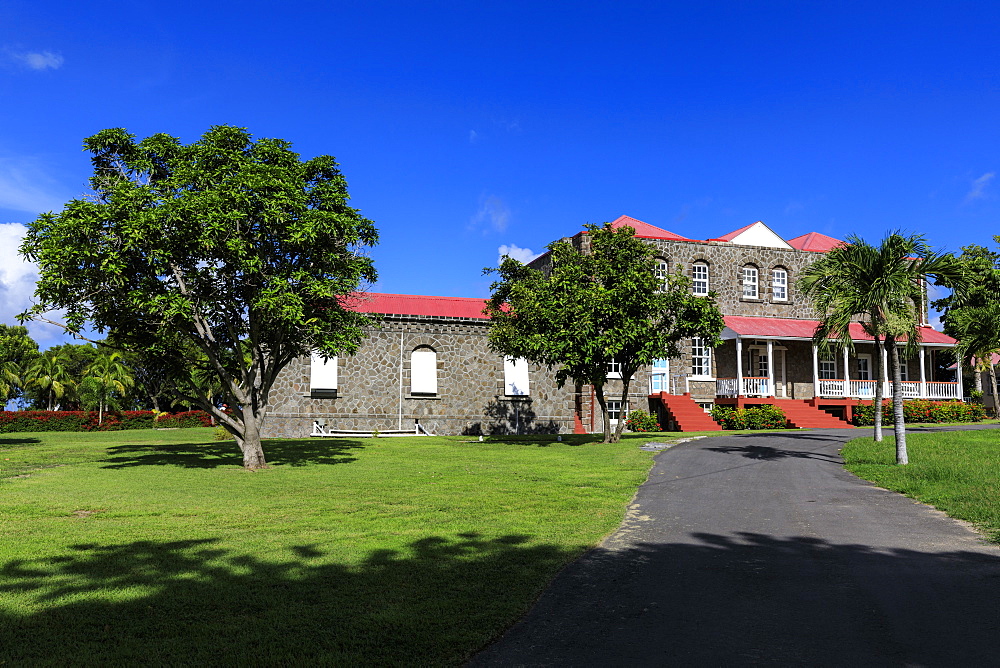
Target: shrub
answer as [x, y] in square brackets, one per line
[922, 410]
[221, 434]
[640, 420]
[28, 421]
[758, 417]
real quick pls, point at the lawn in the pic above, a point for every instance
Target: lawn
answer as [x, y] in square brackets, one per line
[956, 471]
[157, 547]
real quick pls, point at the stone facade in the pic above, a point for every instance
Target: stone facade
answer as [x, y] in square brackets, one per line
[374, 387]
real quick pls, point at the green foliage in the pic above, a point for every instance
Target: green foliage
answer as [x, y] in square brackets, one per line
[596, 304]
[39, 421]
[229, 255]
[17, 350]
[105, 383]
[758, 417]
[50, 376]
[923, 411]
[220, 434]
[640, 420]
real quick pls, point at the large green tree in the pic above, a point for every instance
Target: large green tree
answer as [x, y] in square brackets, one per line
[229, 250]
[593, 306]
[105, 383]
[50, 377]
[884, 288]
[971, 314]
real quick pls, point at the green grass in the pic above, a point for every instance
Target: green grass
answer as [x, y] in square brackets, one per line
[156, 547]
[957, 472]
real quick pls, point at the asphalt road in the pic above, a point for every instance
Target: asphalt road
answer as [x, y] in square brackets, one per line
[762, 550]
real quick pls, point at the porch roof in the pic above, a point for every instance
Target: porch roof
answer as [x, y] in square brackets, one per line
[791, 328]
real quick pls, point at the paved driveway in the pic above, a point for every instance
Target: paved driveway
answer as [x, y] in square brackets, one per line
[762, 550]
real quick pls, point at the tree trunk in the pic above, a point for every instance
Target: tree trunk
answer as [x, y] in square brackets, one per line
[100, 412]
[620, 427]
[993, 386]
[602, 402]
[899, 427]
[977, 377]
[879, 388]
[250, 445]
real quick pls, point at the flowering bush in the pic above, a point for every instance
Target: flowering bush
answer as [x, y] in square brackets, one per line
[922, 410]
[11, 421]
[759, 417]
[640, 420]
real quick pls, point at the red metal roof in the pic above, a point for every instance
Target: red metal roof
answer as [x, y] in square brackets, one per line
[735, 233]
[790, 328]
[815, 242]
[450, 307]
[645, 230]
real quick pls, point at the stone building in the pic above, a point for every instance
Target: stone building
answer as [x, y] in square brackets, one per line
[429, 363]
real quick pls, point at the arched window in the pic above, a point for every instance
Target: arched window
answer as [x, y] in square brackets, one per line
[661, 269]
[750, 282]
[423, 371]
[779, 284]
[699, 278]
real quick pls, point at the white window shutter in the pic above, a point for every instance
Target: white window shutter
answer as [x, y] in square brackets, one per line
[515, 376]
[423, 372]
[322, 373]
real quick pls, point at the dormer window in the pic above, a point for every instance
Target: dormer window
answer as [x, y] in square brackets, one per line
[699, 278]
[750, 282]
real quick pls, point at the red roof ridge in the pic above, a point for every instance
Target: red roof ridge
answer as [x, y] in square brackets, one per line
[644, 230]
[814, 242]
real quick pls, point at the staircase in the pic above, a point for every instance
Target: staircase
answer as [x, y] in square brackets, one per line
[801, 413]
[688, 415]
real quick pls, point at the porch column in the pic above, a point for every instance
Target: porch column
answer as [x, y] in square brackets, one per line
[847, 375]
[770, 368]
[739, 366]
[958, 377]
[815, 372]
[886, 381]
[923, 375]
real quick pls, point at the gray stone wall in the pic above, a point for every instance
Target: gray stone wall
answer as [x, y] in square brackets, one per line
[374, 387]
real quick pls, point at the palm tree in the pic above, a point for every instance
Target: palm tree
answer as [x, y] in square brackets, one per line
[978, 330]
[105, 382]
[49, 373]
[882, 288]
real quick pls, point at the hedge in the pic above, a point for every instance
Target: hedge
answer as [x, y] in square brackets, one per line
[759, 417]
[640, 420]
[922, 410]
[11, 421]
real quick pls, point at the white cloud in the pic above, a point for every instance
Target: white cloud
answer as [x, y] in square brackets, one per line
[523, 255]
[39, 60]
[24, 186]
[493, 214]
[17, 285]
[473, 136]
[979, 185]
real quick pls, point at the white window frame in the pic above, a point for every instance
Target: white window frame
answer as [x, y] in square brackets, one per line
[904, 370]
[779, 285]
[661, 269]
[515, 377]
[615, 409]
[701, 359]
[865, 373]
[828, 368]
[699, 278]
[750, 279]
[423, 371]
[614, 369]
[659, 380]
[322, 373]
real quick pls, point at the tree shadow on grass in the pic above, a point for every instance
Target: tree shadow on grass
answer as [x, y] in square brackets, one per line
[14, 441]
[194, 602]
[211, 454]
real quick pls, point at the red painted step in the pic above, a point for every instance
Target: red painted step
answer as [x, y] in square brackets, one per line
[688, 415]
[802, 414]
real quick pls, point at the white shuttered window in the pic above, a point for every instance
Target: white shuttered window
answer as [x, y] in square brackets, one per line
[322, 373]
[423, 371]
[515, 376]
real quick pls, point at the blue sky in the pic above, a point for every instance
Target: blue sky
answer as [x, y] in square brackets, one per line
[465, 127]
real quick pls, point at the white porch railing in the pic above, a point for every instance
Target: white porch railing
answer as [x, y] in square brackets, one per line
[865, 389]
[750, 387]
[943, 390]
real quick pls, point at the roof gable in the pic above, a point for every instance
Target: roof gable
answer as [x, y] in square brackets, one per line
[645, 230]
[815, 242]
[755, 234]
